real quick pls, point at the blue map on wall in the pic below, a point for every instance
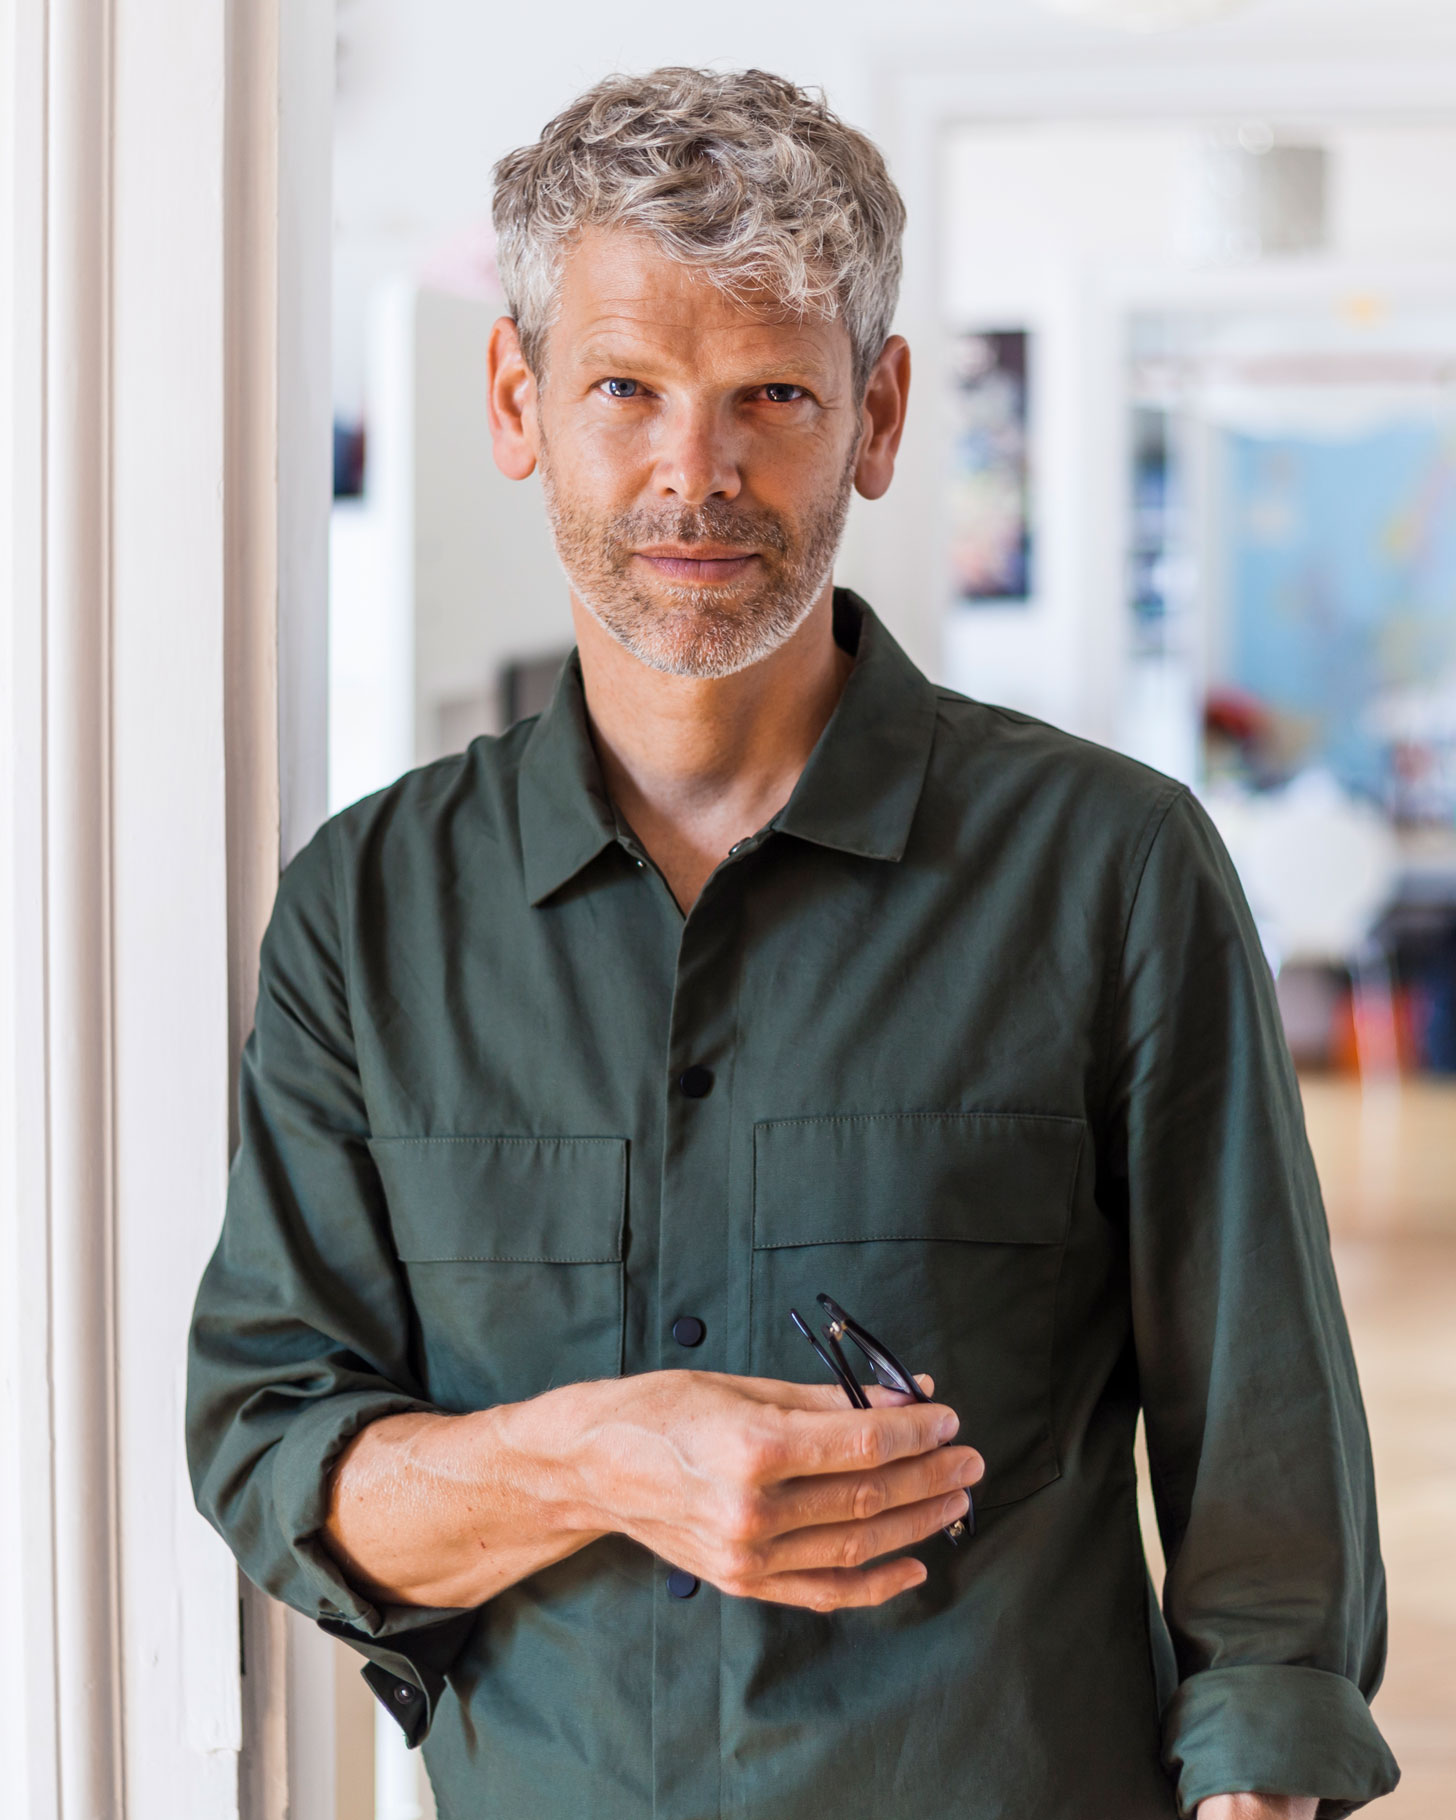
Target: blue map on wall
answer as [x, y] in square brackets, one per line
[1341, 580]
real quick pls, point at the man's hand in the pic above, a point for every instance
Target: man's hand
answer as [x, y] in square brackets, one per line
[765, 1489]
[1258, 1807]
[776, 1491]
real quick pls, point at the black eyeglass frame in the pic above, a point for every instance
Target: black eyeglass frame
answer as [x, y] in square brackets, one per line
[890, 1374]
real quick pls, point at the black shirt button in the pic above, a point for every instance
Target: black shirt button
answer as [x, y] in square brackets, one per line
[681, 1584]
[688, 1330]
[696, 1082]
[404, 1693]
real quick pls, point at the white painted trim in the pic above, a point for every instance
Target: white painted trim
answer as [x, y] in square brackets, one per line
[279, 177]
[78, 875]
[169, 871]
[1158, 82]
[28, 1708]
[306, 54]
[146, 293]
[304, 379]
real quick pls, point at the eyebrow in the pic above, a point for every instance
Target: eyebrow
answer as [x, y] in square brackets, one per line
[606, 355]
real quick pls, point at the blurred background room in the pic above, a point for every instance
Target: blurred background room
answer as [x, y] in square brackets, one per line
[1181, 477]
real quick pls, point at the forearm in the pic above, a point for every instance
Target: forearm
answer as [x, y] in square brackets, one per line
[765, 1489]
[451, 1510]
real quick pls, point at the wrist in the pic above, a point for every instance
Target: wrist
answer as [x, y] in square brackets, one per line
[548, 1445]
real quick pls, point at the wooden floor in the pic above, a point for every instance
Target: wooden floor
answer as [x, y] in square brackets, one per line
[1386, 1156]
[1387, 1162]
[1400, 1295]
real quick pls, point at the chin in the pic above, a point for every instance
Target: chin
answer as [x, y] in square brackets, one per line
[701, 633]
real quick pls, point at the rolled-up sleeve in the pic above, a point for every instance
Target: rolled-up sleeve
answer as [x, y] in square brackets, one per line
[300, 1336]
[1275, 1595]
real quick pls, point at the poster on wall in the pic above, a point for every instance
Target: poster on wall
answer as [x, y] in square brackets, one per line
[1341, 606]
[990, 504]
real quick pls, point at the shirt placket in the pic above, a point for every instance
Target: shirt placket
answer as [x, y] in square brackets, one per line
[696, 1304]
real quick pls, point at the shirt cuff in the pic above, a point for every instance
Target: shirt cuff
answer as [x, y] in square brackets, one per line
[410, 1648]
[1275, 1731]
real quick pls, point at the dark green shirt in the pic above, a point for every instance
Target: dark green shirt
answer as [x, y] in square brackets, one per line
[992, 1056]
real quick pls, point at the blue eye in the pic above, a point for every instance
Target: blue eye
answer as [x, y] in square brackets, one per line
[783, 394]
[621, 388]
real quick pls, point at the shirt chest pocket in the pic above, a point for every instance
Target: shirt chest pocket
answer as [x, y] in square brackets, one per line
[944, 1235]
[513, 1251]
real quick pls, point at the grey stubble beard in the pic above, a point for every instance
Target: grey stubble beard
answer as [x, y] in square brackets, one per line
[686, 631]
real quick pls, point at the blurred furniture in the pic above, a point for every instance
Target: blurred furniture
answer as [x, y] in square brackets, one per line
[1319, 868]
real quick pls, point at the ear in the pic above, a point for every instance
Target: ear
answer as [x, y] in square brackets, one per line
[882, 417]
[514, 431]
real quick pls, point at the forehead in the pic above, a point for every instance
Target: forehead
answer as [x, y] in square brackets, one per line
[618, 289]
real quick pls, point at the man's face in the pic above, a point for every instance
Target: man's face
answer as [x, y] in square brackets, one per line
[697, 456]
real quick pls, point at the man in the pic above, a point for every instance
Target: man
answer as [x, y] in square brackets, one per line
[757, 967]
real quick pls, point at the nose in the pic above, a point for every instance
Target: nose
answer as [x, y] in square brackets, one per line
[696, 457]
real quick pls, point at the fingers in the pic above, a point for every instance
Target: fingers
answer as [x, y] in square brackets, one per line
[801, 1441]
[855, 1497]
[828, 1590]
[855, 1545]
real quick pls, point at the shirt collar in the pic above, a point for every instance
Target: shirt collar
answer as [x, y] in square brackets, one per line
[858, 793]
[861, 787]
[566, 814]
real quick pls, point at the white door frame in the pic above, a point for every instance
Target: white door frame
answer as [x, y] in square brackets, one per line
[164, 461]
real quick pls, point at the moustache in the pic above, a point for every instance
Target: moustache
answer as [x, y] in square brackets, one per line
[710, 523]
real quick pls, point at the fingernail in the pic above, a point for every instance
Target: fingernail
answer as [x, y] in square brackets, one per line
[956, 1507]
[949, 1427]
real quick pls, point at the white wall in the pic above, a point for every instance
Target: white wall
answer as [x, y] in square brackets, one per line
[488, 588]
[1032, 214]
[445, 572]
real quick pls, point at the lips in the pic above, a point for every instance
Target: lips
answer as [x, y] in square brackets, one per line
[701, 564]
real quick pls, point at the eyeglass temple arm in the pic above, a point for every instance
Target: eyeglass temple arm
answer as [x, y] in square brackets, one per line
[887, 1368]
[838, 1365]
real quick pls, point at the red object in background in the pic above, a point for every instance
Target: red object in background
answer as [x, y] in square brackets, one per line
[1374, 1032]
[1231, 714]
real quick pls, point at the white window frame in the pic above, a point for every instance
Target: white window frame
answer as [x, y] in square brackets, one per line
[164, 492]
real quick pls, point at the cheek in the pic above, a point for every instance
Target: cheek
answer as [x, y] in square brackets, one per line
[602, 465]
[799, 458]
[797, 474]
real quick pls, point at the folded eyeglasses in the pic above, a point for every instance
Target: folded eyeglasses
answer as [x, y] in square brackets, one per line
[889, 1373]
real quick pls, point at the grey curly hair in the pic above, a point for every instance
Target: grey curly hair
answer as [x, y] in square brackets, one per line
[743, 175]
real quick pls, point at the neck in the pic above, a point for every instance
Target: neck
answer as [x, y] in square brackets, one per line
[697, 763]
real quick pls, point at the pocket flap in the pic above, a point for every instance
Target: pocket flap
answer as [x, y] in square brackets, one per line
[978, 1177]
[505, 1200]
